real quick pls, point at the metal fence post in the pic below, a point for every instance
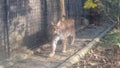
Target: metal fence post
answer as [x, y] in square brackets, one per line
[6, 27]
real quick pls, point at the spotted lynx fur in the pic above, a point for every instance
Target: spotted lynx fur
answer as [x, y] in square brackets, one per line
[61, 31]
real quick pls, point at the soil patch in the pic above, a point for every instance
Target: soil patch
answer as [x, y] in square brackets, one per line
[101, 57]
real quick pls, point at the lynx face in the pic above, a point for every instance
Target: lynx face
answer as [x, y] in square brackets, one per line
[61, 31]
[53, 31]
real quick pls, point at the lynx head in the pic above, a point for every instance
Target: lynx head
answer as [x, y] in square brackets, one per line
[54, 29]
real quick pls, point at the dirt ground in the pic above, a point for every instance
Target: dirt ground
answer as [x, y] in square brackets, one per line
[23, 59]
[101, 57]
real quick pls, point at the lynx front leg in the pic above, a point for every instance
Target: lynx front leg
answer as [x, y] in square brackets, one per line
[54, 44]
[53, 51]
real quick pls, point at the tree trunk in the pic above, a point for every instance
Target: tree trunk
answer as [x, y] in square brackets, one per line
[62, 6]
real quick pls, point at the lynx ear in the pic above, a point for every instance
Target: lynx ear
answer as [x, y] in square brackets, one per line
[52, 23]
[58, 24]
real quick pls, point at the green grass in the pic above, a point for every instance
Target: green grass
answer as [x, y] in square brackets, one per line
[111, 38]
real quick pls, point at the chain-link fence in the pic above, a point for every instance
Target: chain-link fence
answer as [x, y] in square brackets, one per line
[24, 22]
[111, 8]
[4, 39]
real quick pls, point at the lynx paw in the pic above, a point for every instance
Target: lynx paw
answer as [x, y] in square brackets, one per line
[64, 51]
[51, 54]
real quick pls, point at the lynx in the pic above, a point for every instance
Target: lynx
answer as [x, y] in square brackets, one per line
[61, 31]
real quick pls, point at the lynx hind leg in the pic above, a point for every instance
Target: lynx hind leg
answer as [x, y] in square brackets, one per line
[73, 36]
[73, 39]
[64, 45]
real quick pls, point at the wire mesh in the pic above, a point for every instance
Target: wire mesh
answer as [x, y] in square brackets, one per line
[24, 22]
[29, 19]
[4, 42]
